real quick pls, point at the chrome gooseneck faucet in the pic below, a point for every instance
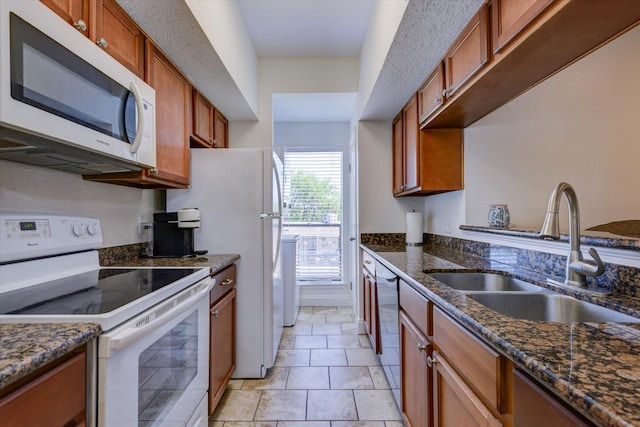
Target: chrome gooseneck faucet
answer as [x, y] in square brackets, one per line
[577, 268]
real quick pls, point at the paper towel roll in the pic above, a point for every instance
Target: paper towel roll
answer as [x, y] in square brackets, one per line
[414, 227]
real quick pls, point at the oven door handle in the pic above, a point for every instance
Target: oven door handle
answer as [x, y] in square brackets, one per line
[154, 318]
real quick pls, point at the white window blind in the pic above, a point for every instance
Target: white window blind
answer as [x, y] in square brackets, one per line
[313, 211]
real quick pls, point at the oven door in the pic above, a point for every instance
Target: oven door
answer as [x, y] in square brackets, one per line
[153, 370]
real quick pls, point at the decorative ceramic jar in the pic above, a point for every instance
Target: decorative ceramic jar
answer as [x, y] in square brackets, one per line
[499, 216]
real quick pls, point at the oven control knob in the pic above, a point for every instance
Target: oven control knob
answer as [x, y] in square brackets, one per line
[78, 229]
[93, 229]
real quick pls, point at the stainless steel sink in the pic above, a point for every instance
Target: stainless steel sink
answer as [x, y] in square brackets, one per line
[548, 307]
[485, 282]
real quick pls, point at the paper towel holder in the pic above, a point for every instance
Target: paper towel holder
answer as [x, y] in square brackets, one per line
[414, 232]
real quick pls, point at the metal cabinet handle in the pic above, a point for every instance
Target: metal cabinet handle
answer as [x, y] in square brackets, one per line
[80, 25]
[368, 276]
[215, 313]
[102, 42]
[215, 143]
[227, 282]
[367, 262]
[438, 100]
[431, 361]
[421, 347]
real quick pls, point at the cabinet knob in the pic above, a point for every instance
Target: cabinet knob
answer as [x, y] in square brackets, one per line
[438, 100]
[214, 313]
[102, 42]
[446, 93]
[367, 262]
[431, 361]
[215, 143]
[80, 25]
[421, 347]
[227, 282]
[153, 171]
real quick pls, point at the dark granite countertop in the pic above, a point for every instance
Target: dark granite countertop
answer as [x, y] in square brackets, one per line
[27, 347]
[217, 262]
[595, 367]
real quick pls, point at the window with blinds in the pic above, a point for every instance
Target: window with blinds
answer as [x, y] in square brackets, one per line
[313, 211]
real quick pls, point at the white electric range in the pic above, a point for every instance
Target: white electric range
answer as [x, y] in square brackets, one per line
[150, 367]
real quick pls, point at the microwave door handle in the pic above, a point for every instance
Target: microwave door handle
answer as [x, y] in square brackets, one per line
[140, 107]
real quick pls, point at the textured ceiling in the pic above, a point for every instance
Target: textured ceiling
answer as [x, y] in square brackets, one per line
[426, 31]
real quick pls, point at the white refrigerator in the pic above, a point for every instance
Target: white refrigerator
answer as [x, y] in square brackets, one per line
[239, 195]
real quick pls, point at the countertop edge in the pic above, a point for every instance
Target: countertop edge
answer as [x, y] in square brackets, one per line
[61, 338]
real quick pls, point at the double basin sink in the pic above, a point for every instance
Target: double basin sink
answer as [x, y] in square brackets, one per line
[517, 298]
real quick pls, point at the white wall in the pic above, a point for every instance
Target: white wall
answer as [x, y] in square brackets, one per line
[378, 210]
[580, 126]
[291, 75]
[37, 189]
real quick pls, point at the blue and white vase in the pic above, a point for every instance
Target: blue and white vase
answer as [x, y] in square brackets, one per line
[499, 216]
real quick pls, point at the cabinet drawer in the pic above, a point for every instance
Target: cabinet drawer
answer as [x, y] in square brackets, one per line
[482, 368]
[417, 307]
[56, 398]
[369, 263]
[225, 281]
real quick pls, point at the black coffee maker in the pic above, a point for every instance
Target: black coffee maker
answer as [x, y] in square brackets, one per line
[173, 233]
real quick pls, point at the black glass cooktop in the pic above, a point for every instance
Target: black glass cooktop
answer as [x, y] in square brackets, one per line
[95, 292]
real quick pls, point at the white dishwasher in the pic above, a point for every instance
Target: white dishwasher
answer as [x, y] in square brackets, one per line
[291, 288]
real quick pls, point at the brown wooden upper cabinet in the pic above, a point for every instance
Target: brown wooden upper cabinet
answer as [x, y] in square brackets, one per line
[115, 32]
[468, 54]
[104, 22]
[210, 127]
[427, 161]
[75, 12]
[173, 127]
[510, 17]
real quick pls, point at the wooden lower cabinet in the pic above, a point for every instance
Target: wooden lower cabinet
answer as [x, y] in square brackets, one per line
[55, 398]
[222, 348]
[415, 375]
[371, 321]
[454, 403]
[222, 334]
[533, 406]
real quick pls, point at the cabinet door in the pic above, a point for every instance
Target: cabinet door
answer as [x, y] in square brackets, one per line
[468, 54]
[415, 375]
[454, 403]
[56, 398]
[370, 310]
[118, 35]
[220, 130]
[75, 12]
[430, 95]
[509, 17]
[173, 106]
[533, 406]
[411, 145]
[222, 347]
[398, 168]
[202, 135]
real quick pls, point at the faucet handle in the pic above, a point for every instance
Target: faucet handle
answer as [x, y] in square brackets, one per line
[589, 268]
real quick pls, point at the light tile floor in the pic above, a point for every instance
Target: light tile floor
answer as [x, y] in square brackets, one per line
[325, 375]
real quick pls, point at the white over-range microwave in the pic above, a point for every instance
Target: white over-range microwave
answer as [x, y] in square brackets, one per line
[64, 102]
